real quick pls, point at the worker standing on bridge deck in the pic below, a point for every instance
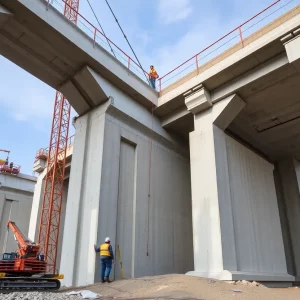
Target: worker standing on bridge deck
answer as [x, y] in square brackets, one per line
[153, 76]
[107, 259]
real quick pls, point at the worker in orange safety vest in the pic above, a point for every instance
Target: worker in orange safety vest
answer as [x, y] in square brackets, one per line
[153, 76]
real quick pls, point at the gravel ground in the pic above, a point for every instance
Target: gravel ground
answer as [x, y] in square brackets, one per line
[37, 296]
[171, 287]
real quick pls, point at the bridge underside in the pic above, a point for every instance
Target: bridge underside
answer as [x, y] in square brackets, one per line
[209, 185]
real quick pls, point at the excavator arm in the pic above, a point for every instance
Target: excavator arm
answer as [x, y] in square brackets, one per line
[26, 248]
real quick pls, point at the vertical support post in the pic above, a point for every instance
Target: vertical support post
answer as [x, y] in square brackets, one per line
[128, 64]
[160, 84]
[197, 66]
[241, 36]
[48, 3]
[95, 33]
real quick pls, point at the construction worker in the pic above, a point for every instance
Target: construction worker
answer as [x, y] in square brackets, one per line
[153, 76]
[6, 162]
[107, 259]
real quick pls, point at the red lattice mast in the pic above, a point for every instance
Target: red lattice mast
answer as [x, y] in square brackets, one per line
[54, 181]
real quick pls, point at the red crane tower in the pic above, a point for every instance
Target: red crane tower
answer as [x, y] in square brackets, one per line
[54, 181]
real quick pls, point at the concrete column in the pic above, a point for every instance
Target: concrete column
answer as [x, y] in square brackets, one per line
[288, 186]
[81, 221]
[209, 176]
[235, 215]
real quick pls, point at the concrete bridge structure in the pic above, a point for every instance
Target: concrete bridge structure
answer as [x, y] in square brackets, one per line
[208, 184]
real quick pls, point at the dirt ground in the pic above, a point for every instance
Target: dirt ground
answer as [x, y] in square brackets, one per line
[186, 287]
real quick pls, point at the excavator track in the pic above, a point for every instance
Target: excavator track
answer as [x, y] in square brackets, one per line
[9, 284]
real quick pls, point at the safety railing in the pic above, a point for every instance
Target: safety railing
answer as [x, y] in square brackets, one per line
[10, 169]
[236, 37]
[43, 152]
[98, 38]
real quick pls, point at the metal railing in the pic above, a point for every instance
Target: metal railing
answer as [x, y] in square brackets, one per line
[235, 37]
[101, 39]
[14, 169]
[43, 152]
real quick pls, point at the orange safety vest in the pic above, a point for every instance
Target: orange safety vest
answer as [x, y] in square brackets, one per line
[153, 73]
[104, 250]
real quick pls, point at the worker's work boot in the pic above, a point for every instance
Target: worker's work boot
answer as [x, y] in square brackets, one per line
[102, 281]
[107, 280]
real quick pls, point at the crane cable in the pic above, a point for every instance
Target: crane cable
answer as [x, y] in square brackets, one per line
[111, 49]
[151, 137]
[149, 182]
[152, 117]
[127, 40]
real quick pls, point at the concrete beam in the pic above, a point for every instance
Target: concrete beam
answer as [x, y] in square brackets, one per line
[243, 53]
[76, 99]
[232, 86]
[88, 80]
[249, 77]
[228, 109]
[5, 14]
[175, 116]
[292, 47]
[198, 101]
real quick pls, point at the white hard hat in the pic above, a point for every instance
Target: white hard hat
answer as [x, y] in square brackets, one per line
[107, 240]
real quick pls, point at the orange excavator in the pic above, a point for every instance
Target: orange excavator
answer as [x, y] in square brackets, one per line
[25, 269]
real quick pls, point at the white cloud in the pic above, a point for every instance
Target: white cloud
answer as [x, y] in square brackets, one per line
[171, 11]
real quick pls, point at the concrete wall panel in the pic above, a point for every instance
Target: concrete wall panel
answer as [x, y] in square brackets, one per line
[167, 208]
[258, 236]
[16, 193]
[288, 185]
[126, 199]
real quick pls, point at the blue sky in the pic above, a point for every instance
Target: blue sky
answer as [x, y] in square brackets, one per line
[162, 32]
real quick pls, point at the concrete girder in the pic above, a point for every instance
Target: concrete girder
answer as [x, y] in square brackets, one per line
[5, 14]
[226, 90]
[292, 46]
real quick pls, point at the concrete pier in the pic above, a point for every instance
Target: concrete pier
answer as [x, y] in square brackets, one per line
[236, 225]
[111, 160]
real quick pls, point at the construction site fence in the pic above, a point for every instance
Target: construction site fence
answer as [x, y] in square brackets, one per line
[99, 38]
[235, 37]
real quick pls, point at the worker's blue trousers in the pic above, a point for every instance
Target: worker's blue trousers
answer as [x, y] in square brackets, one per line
[152, 82]
[106, 264]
